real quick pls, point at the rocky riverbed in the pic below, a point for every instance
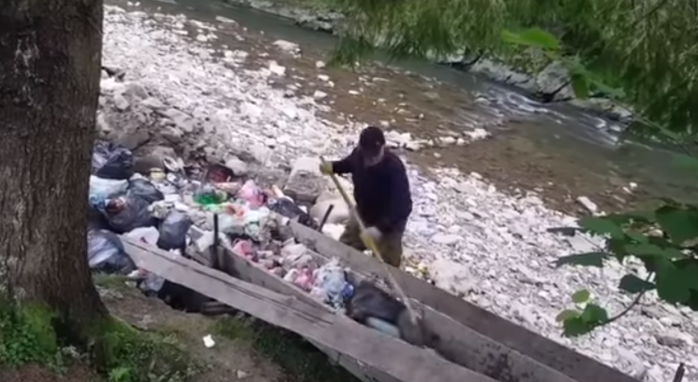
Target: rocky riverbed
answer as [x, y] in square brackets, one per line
[552, 84]
[215, 91]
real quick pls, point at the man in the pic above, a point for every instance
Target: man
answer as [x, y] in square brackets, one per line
[382, 194]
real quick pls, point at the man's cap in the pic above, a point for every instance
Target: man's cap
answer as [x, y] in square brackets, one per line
[371, 139]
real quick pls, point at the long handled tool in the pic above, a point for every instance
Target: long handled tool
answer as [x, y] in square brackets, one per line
[370, 244]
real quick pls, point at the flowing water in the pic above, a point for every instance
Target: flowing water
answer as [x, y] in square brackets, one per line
[577, 135]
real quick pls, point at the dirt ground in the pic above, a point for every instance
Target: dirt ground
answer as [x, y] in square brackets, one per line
[245, 349]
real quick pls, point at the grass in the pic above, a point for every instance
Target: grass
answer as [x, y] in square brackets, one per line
[118, 352]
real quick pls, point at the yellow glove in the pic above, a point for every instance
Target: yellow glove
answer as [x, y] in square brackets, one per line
[326, 168]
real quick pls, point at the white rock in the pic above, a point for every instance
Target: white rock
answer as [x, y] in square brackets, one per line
[323, 77]
[121, 102]
[287, 46]
[319, 94]
[276, 68]
[225, 20]
[446, 239]
[320, 64]
[238, 166]
[588, 204]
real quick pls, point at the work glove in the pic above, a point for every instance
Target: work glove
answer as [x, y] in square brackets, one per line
[326, 168]
[370, 234]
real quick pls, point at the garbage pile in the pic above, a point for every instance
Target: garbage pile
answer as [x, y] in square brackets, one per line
[171, 209]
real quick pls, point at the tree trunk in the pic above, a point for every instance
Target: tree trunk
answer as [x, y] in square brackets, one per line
[50, 53]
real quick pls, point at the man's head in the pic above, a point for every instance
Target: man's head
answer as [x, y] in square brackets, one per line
[372, 145]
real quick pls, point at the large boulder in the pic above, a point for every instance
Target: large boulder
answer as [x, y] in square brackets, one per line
[305, 183]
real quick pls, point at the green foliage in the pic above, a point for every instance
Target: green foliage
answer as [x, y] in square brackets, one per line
[26, 336]
[641, 52]
[124, 354]
[119, 352]
[664, 240]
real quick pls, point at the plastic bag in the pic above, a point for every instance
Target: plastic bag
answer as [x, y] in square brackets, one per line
[173, 231]
[144, 189]
[101, 189]
[295, 256]
[105, 253]
[127, 212]
[252, 194]
[370, 301]
[286, 207]
[330, 278]
[111, 161]
[149, 235]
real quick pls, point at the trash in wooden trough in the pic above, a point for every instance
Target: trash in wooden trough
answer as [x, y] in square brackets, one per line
[218, 241]
[187, 217]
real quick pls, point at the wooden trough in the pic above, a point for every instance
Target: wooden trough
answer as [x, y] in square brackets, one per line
[472, 344]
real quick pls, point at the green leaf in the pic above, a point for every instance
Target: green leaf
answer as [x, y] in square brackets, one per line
[637, 236]
[594, 315]
[533, 37]
[634, 284]
[591, 259]
[575, 326]
[601, 226]
[680, 224]
[567, 314]
[684, 162]
[673, 285]
[580, 86]
[581, 296]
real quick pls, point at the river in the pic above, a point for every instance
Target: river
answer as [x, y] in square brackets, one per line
[556, 149]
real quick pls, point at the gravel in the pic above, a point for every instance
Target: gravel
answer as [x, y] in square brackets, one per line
[490, 248]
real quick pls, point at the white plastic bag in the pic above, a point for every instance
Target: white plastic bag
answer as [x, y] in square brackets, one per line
[101, 189]
[295, 256]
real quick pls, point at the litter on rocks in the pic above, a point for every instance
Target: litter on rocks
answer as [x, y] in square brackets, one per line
[180, 211]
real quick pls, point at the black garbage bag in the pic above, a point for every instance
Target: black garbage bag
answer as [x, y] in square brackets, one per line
[105, 253]
[182, 298]
[112, 161]
[173, 231]
[145, 189]
[286, 207]
[370, 302]
[126, 212]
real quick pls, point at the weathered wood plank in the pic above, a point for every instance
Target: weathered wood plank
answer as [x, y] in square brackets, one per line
[404, 362]
[515, 337]
[245, 270]
[466, 347]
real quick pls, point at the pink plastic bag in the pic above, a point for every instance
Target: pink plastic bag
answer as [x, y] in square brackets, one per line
[252, 194]
[243, 248]
[304, 280]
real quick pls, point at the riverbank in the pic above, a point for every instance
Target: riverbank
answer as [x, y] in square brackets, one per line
[551, 85]
[249, 94]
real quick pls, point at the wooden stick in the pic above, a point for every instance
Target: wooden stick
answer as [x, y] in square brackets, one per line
[325, 217]
[373, 247]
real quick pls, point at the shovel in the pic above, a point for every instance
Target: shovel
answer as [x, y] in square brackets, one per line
[371, 244]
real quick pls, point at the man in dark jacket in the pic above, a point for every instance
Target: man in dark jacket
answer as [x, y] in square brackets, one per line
[382, 194]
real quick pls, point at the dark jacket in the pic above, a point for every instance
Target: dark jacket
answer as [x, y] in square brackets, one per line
[381, 191]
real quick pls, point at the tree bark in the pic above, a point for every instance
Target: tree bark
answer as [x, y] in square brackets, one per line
[50, 54]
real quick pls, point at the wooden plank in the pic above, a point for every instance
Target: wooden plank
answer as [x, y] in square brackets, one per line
[404, 362]
[473, 350]
[245, 270]
[518, 338]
